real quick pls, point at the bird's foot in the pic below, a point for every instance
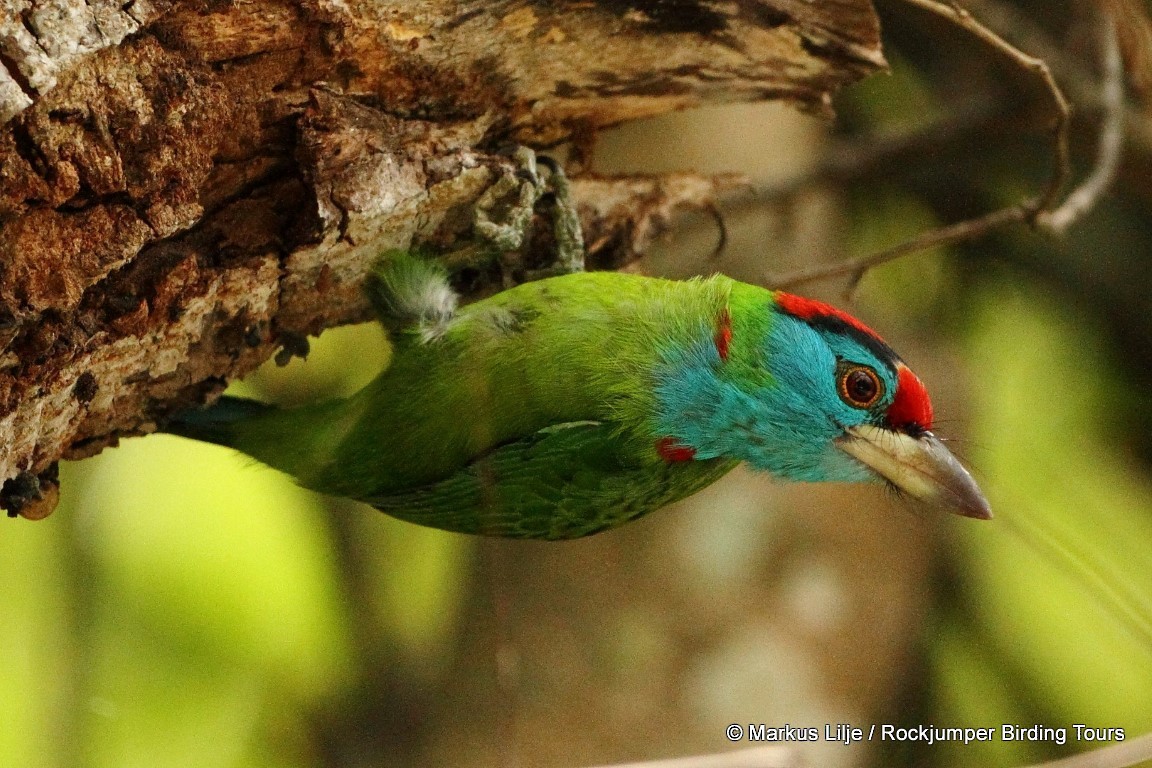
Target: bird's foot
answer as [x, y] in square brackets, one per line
[503, 215]
[413, 291]
[566, 227]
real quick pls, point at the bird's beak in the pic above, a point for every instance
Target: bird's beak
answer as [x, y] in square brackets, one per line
[920, 466]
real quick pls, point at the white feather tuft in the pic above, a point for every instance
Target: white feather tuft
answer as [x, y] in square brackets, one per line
[411, 291]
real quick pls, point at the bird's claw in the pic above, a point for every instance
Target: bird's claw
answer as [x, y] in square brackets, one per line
[503, 214]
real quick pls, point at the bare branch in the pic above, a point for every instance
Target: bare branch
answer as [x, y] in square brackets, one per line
[180, 202]
[760, 757]
[1111, 145]
[1030, 210]
[1121, 755]
[963, 231]
[1040, 69]
[1073, 71]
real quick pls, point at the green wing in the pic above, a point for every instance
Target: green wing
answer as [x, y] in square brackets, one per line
[563, 482]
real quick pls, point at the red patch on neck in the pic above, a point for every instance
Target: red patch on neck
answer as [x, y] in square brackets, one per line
[673, 452]
[808, 309]
[723, 337]
[911, 406]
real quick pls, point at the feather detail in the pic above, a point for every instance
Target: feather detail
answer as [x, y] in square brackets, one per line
[911, 410]
[408, 292]
[723, 337]
[814, 311]
[673, 451]
[564, 482]
[566, 406]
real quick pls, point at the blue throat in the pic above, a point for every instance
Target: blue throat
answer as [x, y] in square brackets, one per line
[785, 424]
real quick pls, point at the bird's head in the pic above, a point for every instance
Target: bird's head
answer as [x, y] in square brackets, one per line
[813, 394]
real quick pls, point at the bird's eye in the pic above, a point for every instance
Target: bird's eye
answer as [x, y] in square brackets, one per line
[859, 385]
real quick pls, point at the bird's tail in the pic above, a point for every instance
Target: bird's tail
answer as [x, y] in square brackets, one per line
[410, 292]
[215, 423]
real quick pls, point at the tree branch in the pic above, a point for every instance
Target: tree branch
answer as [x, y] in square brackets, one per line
[1037, 211]
[759, 757]
[963, 231]
[1039, 69]
[180, 200]
[1122, 755]
[1111, 143]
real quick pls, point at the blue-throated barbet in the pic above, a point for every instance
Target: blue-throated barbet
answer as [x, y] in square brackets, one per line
[573, 404]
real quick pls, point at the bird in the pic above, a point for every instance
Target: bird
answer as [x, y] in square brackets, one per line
[574, 404]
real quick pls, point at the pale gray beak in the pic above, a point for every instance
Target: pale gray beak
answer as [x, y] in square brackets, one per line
[920, 466]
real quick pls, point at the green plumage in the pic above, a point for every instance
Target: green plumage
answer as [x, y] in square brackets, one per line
[569, 405]
[529, 414]
[561, 483]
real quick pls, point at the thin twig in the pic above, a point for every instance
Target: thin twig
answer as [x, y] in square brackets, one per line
[760, 757]
[969, 229]
[1111, 145]
[1026, 211]
[722, 226]
[1040, 69]
[1074, 73]
[1121, 755]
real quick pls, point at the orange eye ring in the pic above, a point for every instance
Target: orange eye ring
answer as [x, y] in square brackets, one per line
[859, 386]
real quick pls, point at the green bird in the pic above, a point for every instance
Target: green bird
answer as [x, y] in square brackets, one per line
[574, 404]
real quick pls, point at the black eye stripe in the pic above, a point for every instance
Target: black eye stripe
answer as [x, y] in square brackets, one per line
[835, 325]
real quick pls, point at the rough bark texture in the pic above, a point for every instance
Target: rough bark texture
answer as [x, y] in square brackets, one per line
[186, 187]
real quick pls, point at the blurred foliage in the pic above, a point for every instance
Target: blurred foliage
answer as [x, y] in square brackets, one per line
[186, 607]
[190, 609]
[1045, 617]
[1054, 623]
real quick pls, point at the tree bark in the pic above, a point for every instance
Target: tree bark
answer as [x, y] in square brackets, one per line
[187, 186]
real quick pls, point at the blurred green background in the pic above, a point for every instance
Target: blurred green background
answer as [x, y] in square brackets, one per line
[186, 607]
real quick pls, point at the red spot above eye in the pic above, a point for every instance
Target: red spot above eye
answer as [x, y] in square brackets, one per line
[808, 309]
[673, 452]
[911, 406]
[723, 337]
